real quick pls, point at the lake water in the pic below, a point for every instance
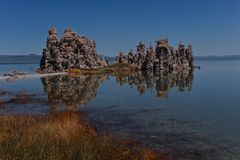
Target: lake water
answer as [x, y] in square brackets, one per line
[192, 115]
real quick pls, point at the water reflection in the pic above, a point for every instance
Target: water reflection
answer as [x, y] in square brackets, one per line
[71, 91]
[161, 81]
[75, 91]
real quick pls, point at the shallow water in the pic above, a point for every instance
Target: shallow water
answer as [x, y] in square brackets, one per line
[188, 115]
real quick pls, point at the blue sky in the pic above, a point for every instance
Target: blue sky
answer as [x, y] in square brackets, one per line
[211, 26]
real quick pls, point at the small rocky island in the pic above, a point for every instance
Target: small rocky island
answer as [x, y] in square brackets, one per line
[77, 52]
[161, 58]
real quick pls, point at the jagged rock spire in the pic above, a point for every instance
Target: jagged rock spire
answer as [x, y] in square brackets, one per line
[72, 51]
[163, 58]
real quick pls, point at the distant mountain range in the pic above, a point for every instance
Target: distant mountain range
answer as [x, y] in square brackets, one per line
[218, 58]
[205, 58]
[35, 59]
[21, 59]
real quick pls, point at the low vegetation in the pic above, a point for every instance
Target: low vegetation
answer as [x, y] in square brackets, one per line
[58, 136]
[114, 68]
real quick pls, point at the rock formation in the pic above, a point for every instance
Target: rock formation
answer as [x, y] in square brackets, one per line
[72, 51]
[162, 58]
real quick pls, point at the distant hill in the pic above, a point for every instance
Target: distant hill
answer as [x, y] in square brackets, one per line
[24, 59]
[204, 58]
[111, 59]
[218, 58]
[35, 59]
[32, 59]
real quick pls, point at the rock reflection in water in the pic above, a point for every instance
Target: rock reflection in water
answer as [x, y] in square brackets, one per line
[162, 81]
[71, 91]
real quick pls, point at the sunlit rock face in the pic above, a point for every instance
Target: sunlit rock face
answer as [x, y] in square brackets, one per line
[161, 58]
[71, 92]
[71, 51]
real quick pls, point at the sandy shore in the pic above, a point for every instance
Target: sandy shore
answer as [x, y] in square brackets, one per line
[29, 76]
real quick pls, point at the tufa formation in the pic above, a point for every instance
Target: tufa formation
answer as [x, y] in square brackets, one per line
[74, 51]
[161, 58]
[71, 51]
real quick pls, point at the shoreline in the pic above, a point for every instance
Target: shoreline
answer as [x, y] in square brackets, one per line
[116, 68]
[29, 76]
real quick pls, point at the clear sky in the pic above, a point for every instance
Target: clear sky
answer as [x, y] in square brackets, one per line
[211, 26]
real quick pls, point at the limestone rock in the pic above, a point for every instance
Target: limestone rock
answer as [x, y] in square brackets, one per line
[163, 58]
[72, 51]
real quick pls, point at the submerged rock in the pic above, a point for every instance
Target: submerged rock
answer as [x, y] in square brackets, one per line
[71, 51]
[14, 74]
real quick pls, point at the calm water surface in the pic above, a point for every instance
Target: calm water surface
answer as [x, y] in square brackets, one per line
[190, 115]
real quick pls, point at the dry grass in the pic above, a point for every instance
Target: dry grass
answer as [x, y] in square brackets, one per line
[61, 136]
